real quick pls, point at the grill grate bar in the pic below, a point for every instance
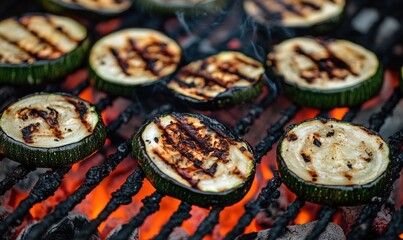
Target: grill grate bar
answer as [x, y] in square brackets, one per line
[93, 177]
[80, 87]
[45, 187]
[395, 226]
[151, 205]
[207, 225]
[351, 114]
[378, 119]
[325, 218]
[123, 196]
[266, 196]
[104, 103]
[19, 173]
[175, 220]
[290, 214]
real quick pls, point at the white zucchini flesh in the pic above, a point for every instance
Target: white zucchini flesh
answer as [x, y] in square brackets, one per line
[49, 120]
[323, 65]
[38, 37]
[210, 163]
[334, 153]
[109, 6]
[291, 13]
[207, 78]
[134, 56]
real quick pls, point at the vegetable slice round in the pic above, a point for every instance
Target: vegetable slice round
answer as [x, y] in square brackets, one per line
[191, 7]
[333, 162]
[132, 58]
[50, 130]
[194, 158]
[36, 48]
[308, 16]
[87, 8]
[218, 81]
[325, 73]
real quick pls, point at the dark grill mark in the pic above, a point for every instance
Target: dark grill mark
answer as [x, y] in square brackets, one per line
[380, 146]
[82, 110]
[267, 14]
[310, 5]
[306, 157]
[314, 175]
[348, 176]
[60, 29]
[291, 137]
[243, 149]
[349, 165]
[369, 132]
[316, 142]
[31, 54]
[290, 7]
[122, 64]
[28, 131]
[211, 171]
[51, 118]
[185, 72]
[238, 74]
[150, 63]
[330, 134]
[156, 140]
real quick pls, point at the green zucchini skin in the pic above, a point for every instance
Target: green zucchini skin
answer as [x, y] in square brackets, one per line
[171, 187]
[45, 70]
[346, 97]
[171, 9]
[78, 11]
[229, 98]
[56, 156]
[331, 194]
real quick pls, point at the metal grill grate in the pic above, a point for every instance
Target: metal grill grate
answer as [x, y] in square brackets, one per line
[201, 41]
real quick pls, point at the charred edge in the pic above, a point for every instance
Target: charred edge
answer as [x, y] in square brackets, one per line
[290, 7]
[28, 131]
[368, 131]
[82, 110]
[60, 29]
[291, 137]
[306, 157]
[330, 134]
[31, 54]
[314, 175]
[49, 117]
[316, 142]
[122, 64]
[42, 39]
[327, 65]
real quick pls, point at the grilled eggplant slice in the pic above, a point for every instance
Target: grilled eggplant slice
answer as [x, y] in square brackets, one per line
[36, 48]
[219, 81]
[195, 158]
[189, 7]
[132, 58]
[308, 16]
[333, 162]
[50, 130]
[88, 8]
[325, 73]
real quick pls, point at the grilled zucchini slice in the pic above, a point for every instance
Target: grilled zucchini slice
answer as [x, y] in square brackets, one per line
[50, 130]
[132, 58]
[333, 162]
[88, 8]
[219, 81]
[36, 48]
[194, 158]
[325, 73]
[308, 16]
[189, 7]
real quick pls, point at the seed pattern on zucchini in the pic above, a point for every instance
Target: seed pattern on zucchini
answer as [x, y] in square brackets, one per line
[38, 47]
[132, 58]
[93, 7]
[218, 81]
[191, 7]
[333, 162]
[317, 16]
[195, 158]
[50, 130]
[325, 73]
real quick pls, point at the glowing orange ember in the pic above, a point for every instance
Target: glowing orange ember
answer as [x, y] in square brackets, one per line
[338, 113]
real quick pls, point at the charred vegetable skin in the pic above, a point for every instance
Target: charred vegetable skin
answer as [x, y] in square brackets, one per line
[349, 173]
[132, 59]
[195, 159]
[50, 130]
[189, 7]
[46, 48]
[325, 74]
[305, 17]
[89, 9]
[219, 81]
